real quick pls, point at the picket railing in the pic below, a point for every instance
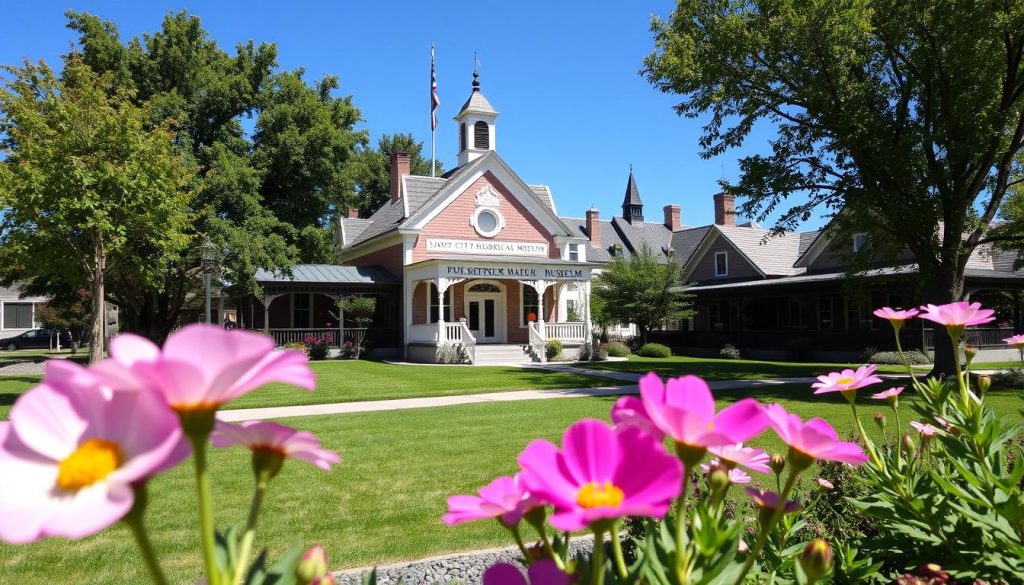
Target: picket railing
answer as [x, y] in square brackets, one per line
[575, 331]
[299, 335]
[538, 343]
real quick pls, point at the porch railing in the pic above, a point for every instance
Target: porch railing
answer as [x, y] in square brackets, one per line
[299, 335]
[538, 343]
[568, 331]
[976, 336]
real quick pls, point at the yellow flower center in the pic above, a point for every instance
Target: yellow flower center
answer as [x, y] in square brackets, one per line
[844, 381]
[598, 495]
[92, 461]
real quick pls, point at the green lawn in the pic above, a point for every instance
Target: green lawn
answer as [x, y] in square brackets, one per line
[383, 503]
[353, 381]
[38, 355]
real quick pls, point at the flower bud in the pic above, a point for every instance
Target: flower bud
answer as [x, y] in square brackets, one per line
[718, 480]
[984, 383]
[312, 565]
[908, 445]
[816, 560]
[880, 420]
[825, 484]
[969, 352]
[777, 463]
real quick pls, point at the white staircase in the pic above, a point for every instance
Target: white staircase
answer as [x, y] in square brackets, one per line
[500, 354]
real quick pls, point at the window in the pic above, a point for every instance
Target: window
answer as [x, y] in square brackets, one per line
[487, 222]
[300, 309]
[17, 315]
[574, 252]
[485, 287]
[481, 136]
[715, 316]
[530, 303]
[435, 305]
[462, 136]
[825, 318]
[721, 263]
[858, 241]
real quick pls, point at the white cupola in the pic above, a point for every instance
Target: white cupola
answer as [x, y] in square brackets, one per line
[476, 125]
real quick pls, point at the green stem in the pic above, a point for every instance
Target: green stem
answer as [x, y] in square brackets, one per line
[550, 550]
[597, 560]
[767, 527]
[205, 511]
[250, 528]
[903, 358]
[519, 541]
[620, 560]
[867, 440]
[899, 437]
[134, 521]
[681, 520]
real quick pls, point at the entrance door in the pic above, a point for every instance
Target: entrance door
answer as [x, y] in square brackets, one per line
[485, 311]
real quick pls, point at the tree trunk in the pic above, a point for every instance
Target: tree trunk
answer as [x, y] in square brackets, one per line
[98, 313]
[945, 286]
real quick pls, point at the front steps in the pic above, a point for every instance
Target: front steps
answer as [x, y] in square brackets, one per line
[494, 354]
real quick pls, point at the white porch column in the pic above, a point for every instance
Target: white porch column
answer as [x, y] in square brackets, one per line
[443, 284]
[408, 290]
[540, 286]
[267, 299]
[585, 298]
[1, 315]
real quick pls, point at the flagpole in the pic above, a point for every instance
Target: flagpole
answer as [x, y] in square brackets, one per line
[433, 126]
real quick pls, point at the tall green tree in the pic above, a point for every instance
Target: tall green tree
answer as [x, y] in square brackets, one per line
[906, 115]
[86, 183]
[641, 291]
[372, 166]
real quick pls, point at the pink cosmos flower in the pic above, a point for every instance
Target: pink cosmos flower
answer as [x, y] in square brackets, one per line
[503, 498]
[684, 409]
[959, 314]
[749, 457]
[846, 380]
[601, 474]
[1016, 341]
[814, 438]
[895, 316]
[736, 475]
[825, 484]
[540, 572]
[890, 393]
[70, 455]
[925, 429]
[274, 437]
[203, 366]
[769, 500]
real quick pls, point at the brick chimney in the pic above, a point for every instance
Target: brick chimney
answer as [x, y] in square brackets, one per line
[593, 228]
[353, 213]
[672, 220]
[400, 167]
[725, 209]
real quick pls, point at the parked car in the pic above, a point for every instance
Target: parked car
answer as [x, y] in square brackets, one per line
[31, 339]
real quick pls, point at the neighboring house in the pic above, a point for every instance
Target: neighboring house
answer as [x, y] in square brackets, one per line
[18, 314]
[469, 257]
[787, 296]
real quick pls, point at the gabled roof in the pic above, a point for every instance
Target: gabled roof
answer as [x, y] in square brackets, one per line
[419, 190]
[329, 274]
[655, 235]
[773, 255]
[352, 228]
[685, 242]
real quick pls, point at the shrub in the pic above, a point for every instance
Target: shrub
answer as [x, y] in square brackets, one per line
[654, 350]
[553, 348]
[1012, 378]
[452, 353]
[892, 358]
[316, 346]
[349, 350]
[616, 349]
[729, 352]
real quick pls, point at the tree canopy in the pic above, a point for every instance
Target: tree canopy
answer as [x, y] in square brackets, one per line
[901, 120]
[371, 169]
[642, 291]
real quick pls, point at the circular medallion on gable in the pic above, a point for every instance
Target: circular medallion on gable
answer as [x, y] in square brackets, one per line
[487, 221]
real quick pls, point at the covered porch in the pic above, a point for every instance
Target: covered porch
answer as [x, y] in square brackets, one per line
[471, 303]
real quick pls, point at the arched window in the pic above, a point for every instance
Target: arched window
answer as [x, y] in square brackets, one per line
[462, 136]
[530, 303]
[485, 287]
[481, 136]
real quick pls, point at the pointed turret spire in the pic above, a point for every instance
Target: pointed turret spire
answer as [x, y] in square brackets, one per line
[632, 206]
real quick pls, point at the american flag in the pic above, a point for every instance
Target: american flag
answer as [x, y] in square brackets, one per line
[434, 100]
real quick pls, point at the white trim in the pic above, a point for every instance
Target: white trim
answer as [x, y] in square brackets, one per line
[705, 245]
[500, 309]
[522, 303]
[449, 300]
[499, 221]
[724, 254]
[863, 240]
[385, 240]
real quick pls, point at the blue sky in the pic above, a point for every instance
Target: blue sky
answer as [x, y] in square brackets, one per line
[574, 111]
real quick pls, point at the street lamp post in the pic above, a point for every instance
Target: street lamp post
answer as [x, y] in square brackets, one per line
[209, 256]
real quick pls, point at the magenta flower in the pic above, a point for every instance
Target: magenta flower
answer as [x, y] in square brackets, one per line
[925, 429]
[504, 498]
[959, 314]
[601, 474]
[895, 316]
[1016, 341]
[815, 439]
[736, 475]
[749, 457]
[203, 366]
[684, 409]
[887, 394]
[275, 438]
[71, 453]
[846, 380]
[540, 572]
[770, 501]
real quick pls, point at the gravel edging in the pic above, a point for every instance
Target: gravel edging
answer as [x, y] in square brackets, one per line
[467, 568]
